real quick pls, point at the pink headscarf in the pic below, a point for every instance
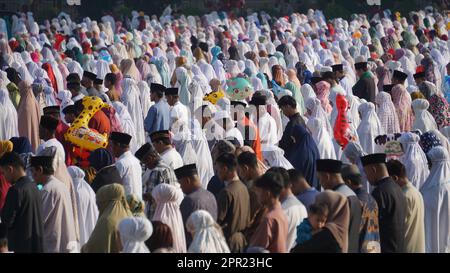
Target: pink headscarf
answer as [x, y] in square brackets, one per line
[323, 92]
[28, 114]
[168, 199]
[402, 103]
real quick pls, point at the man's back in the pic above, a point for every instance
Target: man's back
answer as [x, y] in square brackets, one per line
[23, 215]
[392, 212]
[157, 118]
[200, 199]
[415, 220]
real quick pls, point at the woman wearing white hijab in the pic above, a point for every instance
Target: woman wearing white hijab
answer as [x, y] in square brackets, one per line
[168, 199]
[423, 121]
[386, 113]
[134, 231]
[322, 138]
[144, 95]
[86, 204]
[126, 123]
[102, 68]
[414, 159]
[131, 99]
[274, 157]
[369, 128]
[207, 234]
[315, 110]
[435, 192]
[8, 118]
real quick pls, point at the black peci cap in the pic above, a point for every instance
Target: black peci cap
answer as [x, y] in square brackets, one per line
[337, 67]
[361, 65]
[388, 87]
[143, 151]
[98, 81]
[156, 87]
[69, 109]
[399, 75]
[49, 110]
[419, 75]
[171, 91]
[89, 75]
[373, 159]
[158, 135]
[258, 99]
[121, 138]
[41, 161]
[49, 122]
[328, 165]
[186, 171]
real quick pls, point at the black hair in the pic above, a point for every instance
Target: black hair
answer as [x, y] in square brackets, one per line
[287, 101]
[158, 93]
[396, 168]
[47, 170]
[228, 160]
[320, 209]
[111, 77]
[295, 175]
[271, 181]
[355, 179]
[73, 77]
[248, 159]
[12, 159]
[284, 174]
[74, 87]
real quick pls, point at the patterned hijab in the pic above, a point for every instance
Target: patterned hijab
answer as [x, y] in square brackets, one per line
[386, 113]
[402, 103]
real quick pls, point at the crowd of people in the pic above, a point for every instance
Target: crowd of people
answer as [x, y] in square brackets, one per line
[339, 141]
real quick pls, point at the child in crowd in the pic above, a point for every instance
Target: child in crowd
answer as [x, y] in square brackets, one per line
[317, 218]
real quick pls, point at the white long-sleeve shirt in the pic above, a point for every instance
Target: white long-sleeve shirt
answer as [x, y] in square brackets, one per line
[130, 171]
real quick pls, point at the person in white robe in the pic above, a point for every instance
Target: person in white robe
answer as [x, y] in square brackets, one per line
[414, 159]
[315, 110]
[131, 99]
[8, 116]
[128, 166]
[435, 191]
[369, 128]
[206, 233]
[59, 227]
[353, 152]
[86, 203]
[134, 231]
[274, 157]
[321, 138]
[423, 120]
[126, 123]
[224, 119]
[204, 162]
[183, 82]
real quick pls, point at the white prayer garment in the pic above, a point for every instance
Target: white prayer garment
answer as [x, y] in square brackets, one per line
[86, 203]
[130, 171]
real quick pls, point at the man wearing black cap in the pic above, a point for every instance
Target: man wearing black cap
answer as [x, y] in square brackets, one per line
[288, 105]
[163, 145]
[425, 87]
[59, 227]
[127, 164]
[370, 234]
[158, 116]
[196, 198]
[391, 203]
[365, 87]
[157, 172]
[88, 82]
[399, 77]
[22, 212]
[61, 129]
[341, 77]
[47, 132]
[266, 124]
[74, 86]
[177, 109]
[388, 88]
[329, 173]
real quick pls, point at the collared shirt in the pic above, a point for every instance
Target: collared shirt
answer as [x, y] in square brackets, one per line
[158, 117]
[130, 171]
[172, 158]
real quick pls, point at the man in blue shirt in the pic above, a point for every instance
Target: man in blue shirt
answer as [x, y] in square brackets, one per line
[158, 117]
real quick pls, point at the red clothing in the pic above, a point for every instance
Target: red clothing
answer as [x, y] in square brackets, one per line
[257, 142]
[100, 122]
[4, 187]
[68, 147]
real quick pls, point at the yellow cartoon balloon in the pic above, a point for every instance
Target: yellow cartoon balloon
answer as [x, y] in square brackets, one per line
[79, 133]
[213, 97]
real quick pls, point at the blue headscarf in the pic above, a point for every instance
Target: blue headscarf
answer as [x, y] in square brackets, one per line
[304, 154]
[21, 145]
[263, 79]
[215, 51]
[100, 158]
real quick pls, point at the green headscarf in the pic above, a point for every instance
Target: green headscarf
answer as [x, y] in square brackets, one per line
[297, 94]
